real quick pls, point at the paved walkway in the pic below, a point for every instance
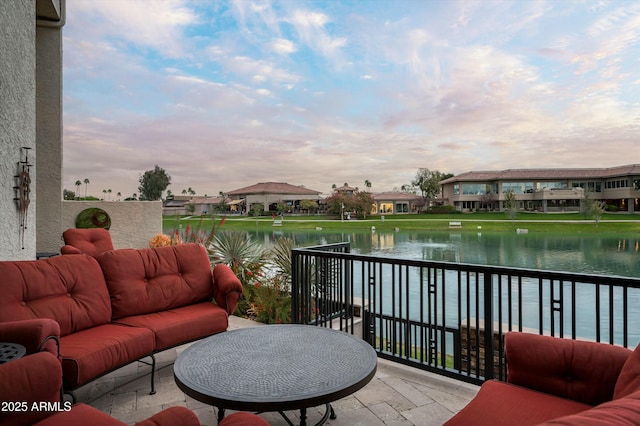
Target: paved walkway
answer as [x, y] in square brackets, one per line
[398, 395]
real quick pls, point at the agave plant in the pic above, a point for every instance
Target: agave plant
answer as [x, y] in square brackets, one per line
[281, 258]
[243, 255]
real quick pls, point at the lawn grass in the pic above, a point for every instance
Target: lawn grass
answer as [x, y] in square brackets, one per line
[618, 223]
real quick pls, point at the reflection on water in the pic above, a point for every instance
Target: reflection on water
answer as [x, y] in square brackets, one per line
[597, 254]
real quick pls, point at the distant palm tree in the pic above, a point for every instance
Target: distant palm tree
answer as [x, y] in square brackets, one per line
[367, 183]
[104, 191]
[109, 192]
[78, 183]
[184, 192]
[119, 194]
[86, 182]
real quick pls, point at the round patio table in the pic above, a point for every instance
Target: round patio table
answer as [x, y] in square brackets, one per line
[10, 352]
[275, 368]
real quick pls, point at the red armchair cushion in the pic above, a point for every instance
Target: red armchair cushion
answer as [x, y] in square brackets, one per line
[629, 379]
[156, 279]
[503, 404]
[90, 241]
[172, 416]
[242, 418]
[32, 379]
[81, 414]
[180, 325]
[68, 289]
[581, 371]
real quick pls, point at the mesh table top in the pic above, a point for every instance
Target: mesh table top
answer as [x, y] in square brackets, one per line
[275, 367]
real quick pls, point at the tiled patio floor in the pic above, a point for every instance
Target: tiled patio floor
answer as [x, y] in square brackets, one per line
[398, 395]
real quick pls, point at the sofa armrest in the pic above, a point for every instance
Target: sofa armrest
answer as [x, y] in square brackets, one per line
[172, 416]
[582, 371]
[227, 288]
[31, 379]
[38, 334]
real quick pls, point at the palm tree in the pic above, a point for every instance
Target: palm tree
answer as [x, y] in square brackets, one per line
[184, 192]
[119, 194]
[86, 182]
[109, 192]
[78, 183]
[367, 184]
[104, 191]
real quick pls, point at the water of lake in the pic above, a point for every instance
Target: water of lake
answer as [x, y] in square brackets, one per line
[595, 254]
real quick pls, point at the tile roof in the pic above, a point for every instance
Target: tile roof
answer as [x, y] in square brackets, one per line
[520, 174]
[273, 188]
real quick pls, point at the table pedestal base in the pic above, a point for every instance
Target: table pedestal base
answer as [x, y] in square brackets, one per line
[328, 414]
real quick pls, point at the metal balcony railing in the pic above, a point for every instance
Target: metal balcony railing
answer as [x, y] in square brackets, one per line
[451, 318]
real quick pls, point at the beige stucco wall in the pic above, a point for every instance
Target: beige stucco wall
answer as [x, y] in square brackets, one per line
[133, 223]
[17, 121]
[49, 137]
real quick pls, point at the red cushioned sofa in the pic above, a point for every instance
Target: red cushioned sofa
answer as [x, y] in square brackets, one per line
[555, 381]
[121, 306]
[30, 389]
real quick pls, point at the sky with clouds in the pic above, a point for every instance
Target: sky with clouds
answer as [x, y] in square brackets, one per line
[225, 94]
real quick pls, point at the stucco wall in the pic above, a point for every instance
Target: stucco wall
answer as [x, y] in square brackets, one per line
[133, 223]
[49, 137]
[17, 122]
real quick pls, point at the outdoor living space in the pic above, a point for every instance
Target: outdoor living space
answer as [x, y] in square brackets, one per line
[397, 395]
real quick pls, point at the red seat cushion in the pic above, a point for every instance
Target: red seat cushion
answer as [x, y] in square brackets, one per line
[90, 353]
[180, 325]
[152, 280]
[504, 404]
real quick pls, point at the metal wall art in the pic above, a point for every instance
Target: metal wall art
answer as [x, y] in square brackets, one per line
[23, 190]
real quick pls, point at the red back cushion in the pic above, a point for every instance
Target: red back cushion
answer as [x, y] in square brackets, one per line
[91, 241]
[156, 279]
[629, 378]
[68, 289]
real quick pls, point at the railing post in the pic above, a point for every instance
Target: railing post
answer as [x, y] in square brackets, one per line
[488, 327]
[295, 287]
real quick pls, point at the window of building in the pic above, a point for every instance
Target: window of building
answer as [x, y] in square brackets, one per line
[618, 183]
[517, 187]
[591, 186]
[456, 189]
[474, 188]
[554, 185]
[386, 207]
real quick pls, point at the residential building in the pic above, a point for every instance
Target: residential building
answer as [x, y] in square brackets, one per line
[545, 190]
[396, 202]
[269, 194]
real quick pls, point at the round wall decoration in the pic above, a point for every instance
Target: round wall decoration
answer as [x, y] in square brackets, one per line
[93, 218]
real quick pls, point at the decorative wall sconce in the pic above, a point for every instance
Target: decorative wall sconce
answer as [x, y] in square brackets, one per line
[23, 189]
